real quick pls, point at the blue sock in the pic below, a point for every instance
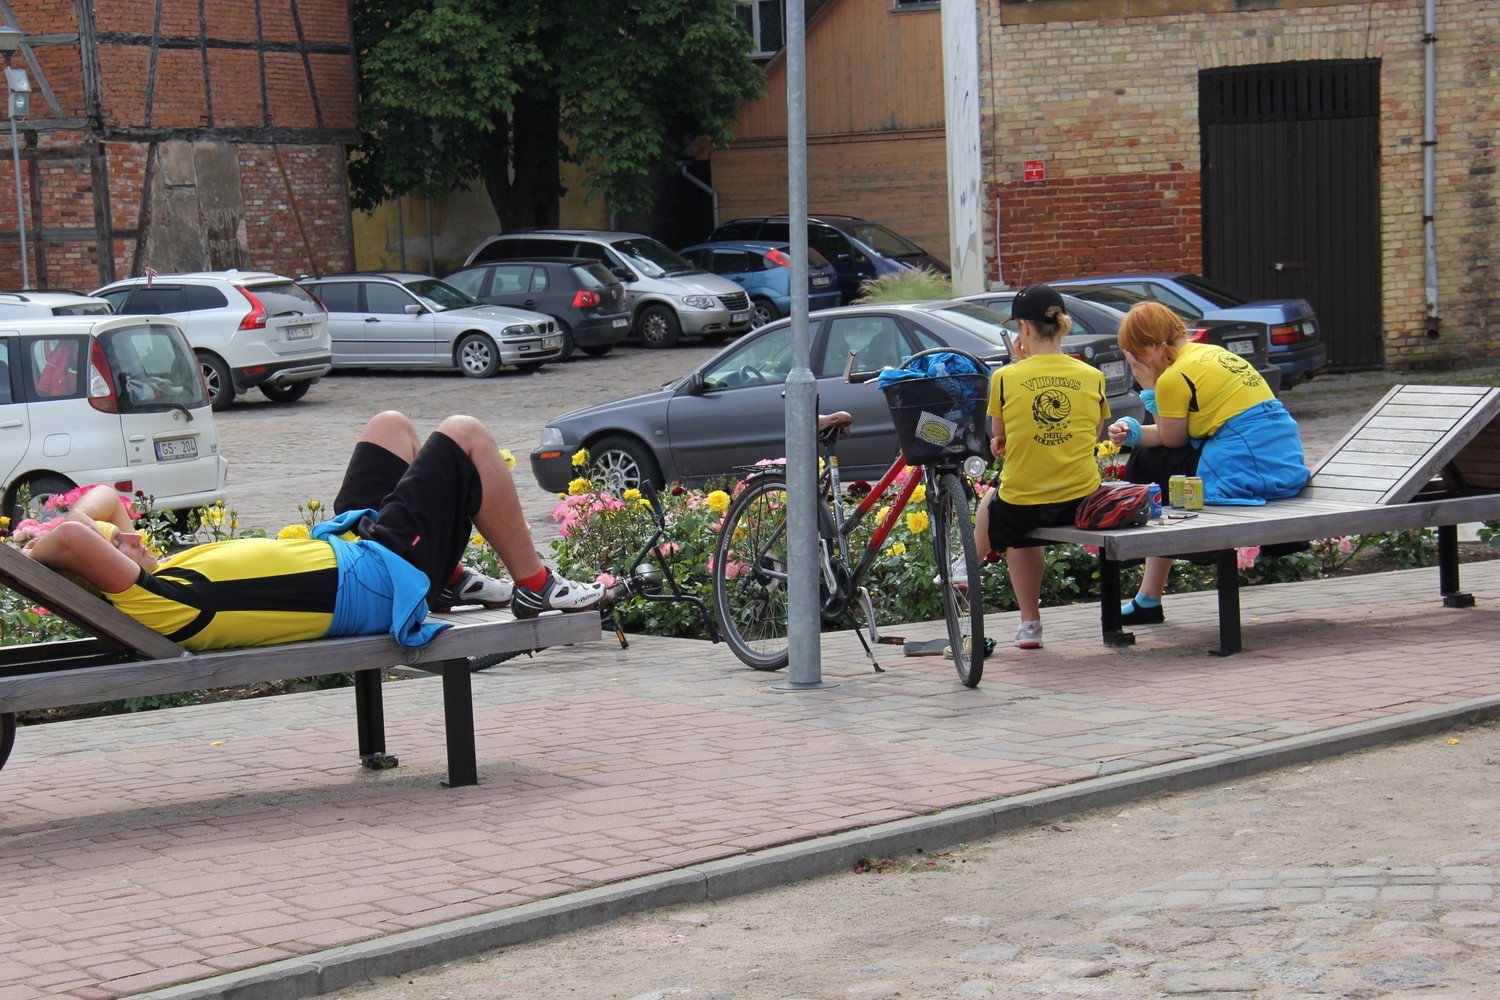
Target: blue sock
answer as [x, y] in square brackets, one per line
[1141, 601]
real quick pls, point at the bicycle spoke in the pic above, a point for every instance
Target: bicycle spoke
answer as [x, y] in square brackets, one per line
[750, 575]
[958, 577]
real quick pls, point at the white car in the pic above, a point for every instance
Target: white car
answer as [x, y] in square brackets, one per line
[105, 399]
[404, 320]
[249, 329]
[21, 305]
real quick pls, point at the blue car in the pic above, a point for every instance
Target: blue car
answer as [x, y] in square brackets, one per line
[1295, 346]
[764, 268]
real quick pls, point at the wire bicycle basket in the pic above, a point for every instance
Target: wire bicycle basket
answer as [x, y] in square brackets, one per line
[938, 400]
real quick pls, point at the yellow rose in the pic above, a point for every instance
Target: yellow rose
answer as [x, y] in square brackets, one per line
[718, 501]
[580, 458]
[916, 522]
[312, 505]
[632, 494]
[509, 458]
[293, 531]
[578, 486]
[896, 549]
[213, 516]
[882, 514]
[477, 540]
[919, 494]
[1106, 449]
[4, 522]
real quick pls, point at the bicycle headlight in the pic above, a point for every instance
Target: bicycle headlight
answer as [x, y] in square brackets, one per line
[974, 466]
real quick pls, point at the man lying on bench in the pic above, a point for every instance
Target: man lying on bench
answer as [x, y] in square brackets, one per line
[403, 517]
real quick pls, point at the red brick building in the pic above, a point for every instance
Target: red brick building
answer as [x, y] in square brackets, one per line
[180, 135]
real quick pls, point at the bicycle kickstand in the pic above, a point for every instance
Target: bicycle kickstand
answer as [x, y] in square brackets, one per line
[875, 639]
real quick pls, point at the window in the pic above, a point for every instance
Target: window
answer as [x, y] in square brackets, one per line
[766, 360]
[915, 4]
[765, 20]
[153, 369]
[470, 282]
[6, 396]
[387, 299]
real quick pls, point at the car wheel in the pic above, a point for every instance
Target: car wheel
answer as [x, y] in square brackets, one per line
[476, 355]
[762, 311]
[37, 489]
[220, 384]
[624, 463]
[285, 393]
[597, 350]
[657, 326]
[569, 345]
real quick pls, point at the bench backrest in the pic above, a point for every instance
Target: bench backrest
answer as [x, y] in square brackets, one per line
[1415, 433]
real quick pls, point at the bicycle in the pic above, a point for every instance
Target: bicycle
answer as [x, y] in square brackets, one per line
[750, 557]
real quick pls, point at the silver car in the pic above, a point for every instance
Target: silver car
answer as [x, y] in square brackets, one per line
[403, 320]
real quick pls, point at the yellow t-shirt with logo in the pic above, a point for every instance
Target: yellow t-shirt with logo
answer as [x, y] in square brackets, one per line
[241, 592]
[1052, 406]
[1208, 385]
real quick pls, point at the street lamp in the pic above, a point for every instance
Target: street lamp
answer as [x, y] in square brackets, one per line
[19, 105]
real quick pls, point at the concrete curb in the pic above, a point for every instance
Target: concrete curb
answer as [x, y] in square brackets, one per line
[395, 954]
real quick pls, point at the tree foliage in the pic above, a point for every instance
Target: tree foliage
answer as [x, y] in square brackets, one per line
[505, 91]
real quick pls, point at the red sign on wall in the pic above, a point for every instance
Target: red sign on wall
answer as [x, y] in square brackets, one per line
[1035, 170]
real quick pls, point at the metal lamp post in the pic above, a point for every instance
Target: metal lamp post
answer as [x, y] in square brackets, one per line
[19, 92]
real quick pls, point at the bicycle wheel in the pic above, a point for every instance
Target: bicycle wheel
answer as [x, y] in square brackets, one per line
[749, 574]
[963, 598]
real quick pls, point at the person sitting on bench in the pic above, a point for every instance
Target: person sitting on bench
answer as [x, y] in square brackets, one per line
[1216, 418]
[403, 517]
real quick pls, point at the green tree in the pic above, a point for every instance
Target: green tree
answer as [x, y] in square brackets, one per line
[505, 91]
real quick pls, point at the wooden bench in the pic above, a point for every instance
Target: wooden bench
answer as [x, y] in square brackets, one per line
[124, 659]
[1423, 457]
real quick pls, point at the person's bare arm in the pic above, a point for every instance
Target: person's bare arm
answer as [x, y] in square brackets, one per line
[77, 546]
[997, 436]
[101, 503]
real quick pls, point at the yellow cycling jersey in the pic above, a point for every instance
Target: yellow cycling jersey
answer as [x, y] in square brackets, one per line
[1052, 405]
[241, 592]
[1208, 385]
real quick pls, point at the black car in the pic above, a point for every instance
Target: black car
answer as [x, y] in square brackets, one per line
[857, 249]
[587, 301]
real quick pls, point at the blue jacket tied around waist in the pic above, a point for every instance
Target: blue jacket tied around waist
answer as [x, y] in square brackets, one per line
[1256, 456]
[378, 590]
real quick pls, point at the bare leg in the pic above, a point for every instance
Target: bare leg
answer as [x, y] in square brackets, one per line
[1026, 569]
[1154, 579]
[982, 525]
[500, 519]
[394, 432]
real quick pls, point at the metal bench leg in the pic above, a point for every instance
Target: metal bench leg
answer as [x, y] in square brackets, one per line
[1109, 603]
[369, 708]
[1448, 584]
[458, 720]
[1227, 570]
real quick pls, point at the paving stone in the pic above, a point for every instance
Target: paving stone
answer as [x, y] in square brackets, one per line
[1031, 933]
[1404, 893]
[1079, 949]
[1216, 981]
[875, 989]
[993, 954]
[967, 921]
[977, 989]
[1407, 974]
[1466, 893]
[1472, 918]
[1333, 910]
[1127, 922]
[1162, 938]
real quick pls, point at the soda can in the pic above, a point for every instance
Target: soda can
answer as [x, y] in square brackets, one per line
[1174, 490]
[1192, 493]
[1155, 500]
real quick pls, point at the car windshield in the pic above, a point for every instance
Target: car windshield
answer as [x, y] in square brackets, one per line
[978, 320]
[1214, 292]
[440, 293]
[884, 242]
[651, 258]
[283, 298]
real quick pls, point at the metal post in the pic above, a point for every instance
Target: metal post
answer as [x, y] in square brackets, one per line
[805, 670]
[15, 152]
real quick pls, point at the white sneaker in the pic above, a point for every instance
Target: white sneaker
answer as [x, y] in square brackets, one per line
[1029, 635]
[474, 588]
[958, 574]
[557, 594]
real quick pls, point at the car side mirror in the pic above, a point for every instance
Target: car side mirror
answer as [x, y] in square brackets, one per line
[694, 384]
[623, 273]
[414, 309]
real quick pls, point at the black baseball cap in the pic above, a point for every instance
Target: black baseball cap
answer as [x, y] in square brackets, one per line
[1033, 301]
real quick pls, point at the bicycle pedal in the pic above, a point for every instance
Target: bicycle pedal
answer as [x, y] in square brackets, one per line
[891, 640]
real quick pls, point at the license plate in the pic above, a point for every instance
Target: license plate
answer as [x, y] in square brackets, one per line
[822, 279]
[1113, 369]
[176, 449]
[551, 342]
[1244, 348]
[299, 333]
[622, 321]
[738, 317]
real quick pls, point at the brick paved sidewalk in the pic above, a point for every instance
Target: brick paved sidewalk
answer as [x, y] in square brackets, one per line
[153, 850]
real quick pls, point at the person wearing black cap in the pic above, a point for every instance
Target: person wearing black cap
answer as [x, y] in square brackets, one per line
[1047, 411]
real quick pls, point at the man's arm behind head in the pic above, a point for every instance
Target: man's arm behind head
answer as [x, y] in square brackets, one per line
[76, 546]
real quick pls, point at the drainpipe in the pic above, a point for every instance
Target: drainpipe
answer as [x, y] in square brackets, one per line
[682, 168]
[1429, 162]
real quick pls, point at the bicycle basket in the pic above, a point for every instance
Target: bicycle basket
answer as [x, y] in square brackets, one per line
[941, 416]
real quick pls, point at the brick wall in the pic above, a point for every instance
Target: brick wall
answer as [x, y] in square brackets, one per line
[274, 105]
[1105, 91]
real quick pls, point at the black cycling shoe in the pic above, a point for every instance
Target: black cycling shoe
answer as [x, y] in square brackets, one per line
[1138, 615]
